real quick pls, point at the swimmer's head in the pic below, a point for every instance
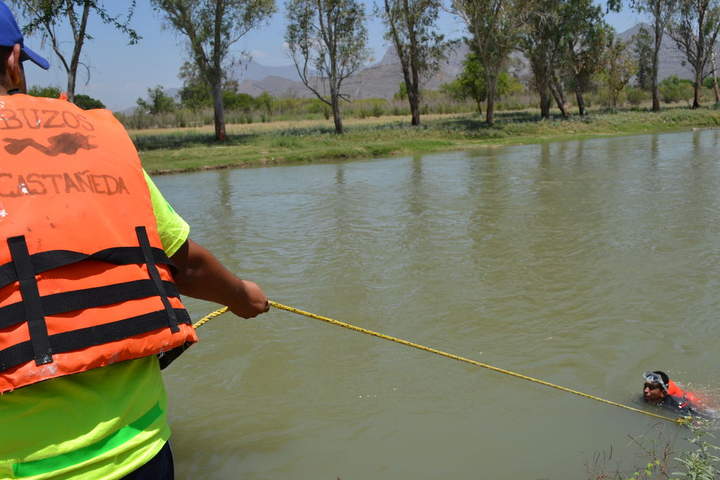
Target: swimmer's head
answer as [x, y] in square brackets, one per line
[656, 386]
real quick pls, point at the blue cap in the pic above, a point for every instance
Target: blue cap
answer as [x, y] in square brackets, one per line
[10, 34]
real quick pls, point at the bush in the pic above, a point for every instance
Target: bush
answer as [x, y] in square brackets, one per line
[636, 96]
[674, 89]
[87, 102]
[48, 92]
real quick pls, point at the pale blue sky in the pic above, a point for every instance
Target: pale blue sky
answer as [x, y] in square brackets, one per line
[121, 73]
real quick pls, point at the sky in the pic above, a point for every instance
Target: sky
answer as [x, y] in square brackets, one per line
[120, 73]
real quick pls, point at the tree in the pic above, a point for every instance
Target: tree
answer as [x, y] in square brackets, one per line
[494, 26]
[618, 68]
[643, 49]
[661, 13]
[47, 92]
[412, 28]
[694, 27]
[583, 39]
[540, 41]
[87, 102]
[674, 89]
[211, 27]
[47, 17]
[327, 39]
[158, 101]
[471, 83]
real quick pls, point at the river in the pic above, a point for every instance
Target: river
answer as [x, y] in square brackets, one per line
[583, 263]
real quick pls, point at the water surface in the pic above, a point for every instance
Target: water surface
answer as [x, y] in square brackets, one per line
[583, 263]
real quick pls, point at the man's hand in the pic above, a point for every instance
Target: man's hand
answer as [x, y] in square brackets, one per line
[251, 301]
[201, 275]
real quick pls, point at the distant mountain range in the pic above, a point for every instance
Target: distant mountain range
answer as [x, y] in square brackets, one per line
[382, 80]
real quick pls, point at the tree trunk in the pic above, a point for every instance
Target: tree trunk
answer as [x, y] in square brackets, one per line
[655, 63]
[490, 110]
[479, 106]
[79, 37]
[580, 102]
[71, 84]
[545, 101]
[337, 117]
[716, 89]
[219, 116]
[414, 99]
[696, 90]
[559, 95]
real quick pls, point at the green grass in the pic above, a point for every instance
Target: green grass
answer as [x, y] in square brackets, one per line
[165, 151]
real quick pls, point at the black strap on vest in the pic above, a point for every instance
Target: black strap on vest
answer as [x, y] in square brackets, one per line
[155, 276]
[91, 336]
[34, 308]
[34, 315]
[52, 259]
[65, 302]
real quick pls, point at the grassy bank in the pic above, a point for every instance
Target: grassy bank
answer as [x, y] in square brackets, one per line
[175, 150]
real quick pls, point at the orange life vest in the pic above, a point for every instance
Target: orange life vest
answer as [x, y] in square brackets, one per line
[684, 398]
[84, 281]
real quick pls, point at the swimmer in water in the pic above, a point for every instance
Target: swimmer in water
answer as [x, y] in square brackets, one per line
[661, 391]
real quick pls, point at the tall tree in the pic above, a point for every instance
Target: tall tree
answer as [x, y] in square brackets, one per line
[327, 41]
[694, 27]
[540, 41]
[470, 83]
[661, 13]
[48, 17]
[412, 28]
[494, 27]
[618, 68]
[211, 27]
[643, 49]
[583, 40]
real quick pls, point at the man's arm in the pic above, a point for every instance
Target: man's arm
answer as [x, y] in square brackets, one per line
[201, 275]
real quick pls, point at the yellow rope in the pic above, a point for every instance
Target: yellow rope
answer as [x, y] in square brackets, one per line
[681, 420]
[209, 317]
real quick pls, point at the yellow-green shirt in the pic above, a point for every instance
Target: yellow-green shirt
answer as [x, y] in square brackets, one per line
[99, 424]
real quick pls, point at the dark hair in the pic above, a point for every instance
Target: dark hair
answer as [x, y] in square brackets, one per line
[664, 376]
[4, 54]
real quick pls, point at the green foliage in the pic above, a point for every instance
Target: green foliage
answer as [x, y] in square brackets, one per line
[646, 473]
[619, 69]
[402, 93]
[48, 92]
[157, 102]
[87, 102]
[50, 17]
[471, 83]
[708, 82]
[643, 50]
[327, 39]
[211, 28]
[195, 96]
[674, 89]
[701, 463]
[636, 96]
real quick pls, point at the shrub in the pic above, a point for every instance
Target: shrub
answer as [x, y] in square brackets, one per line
[674, 89]
[636, 96]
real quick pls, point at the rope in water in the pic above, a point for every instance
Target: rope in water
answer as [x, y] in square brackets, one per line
[207, 318]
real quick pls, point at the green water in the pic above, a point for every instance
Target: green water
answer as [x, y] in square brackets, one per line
[583, 263]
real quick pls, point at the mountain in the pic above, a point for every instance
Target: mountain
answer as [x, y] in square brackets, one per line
[381, 80]
[253, 71]
[672, 60]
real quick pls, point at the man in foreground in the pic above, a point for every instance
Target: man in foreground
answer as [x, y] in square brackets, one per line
[88, 296]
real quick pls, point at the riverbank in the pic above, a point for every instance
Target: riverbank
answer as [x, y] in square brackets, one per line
[180, 150]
